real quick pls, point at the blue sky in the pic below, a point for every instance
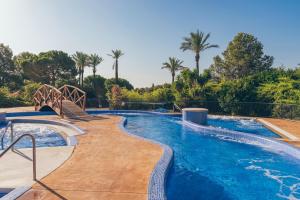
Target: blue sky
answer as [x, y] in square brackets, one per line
[148, 31]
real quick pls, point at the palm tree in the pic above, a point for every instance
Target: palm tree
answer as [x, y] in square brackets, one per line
[116, 54]
[173, 65]
[81, 60]
[197, 42]
[94, 60]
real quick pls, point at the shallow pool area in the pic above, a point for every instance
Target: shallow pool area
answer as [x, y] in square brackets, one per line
[242, 125]
[211, 166]
[44, 136]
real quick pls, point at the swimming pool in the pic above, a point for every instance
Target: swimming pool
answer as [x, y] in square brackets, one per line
[211, 166]
[44, 136]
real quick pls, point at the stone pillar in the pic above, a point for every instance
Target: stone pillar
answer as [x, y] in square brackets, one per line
[195, 115]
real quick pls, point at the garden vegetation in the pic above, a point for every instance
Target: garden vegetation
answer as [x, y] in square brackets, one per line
[240, 81]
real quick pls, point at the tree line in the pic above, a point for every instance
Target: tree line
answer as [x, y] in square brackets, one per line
[21, 75]
[240, 81]
[233, 84]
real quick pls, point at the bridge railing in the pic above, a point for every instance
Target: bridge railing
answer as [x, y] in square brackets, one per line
[73, 94]
[48, 95]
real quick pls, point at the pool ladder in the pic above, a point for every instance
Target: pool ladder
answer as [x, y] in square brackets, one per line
[176, 107]
[13, 142]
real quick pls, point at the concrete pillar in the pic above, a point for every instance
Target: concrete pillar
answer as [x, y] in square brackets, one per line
[195, 115]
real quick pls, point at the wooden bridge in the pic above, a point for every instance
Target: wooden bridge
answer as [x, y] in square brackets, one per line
[66, 101]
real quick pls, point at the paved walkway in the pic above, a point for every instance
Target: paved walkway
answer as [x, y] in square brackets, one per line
[106, 164]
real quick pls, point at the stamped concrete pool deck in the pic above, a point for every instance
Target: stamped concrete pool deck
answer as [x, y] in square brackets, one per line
[106, 164]
[289, 130]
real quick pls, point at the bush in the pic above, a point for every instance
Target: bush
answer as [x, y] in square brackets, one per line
[96, 91]
[115, 97]
[286, 91]
[122, 83]
[233, 92]
[7, 100]
[29, 90]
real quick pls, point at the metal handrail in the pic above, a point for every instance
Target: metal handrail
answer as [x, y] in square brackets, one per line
[175, 106]
[33, 151]
[9, 124]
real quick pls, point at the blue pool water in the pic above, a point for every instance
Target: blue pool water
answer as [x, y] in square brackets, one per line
[2, 194]
[242, 125]
[210, 167]
[44, 136]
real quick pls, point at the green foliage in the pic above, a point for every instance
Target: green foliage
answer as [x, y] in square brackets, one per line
[9, 100]
[81, 60]
[244, 56]
[51, 67]
[57, 65]
[123, 83]
[29, 90]
[7, 68]
[93, 61]
[197, 42]
[173, 66]
[286, 91]
[132, 96]
[186, 86]
[233, 92]
[116, 54]
[115, 97]
[95, 89]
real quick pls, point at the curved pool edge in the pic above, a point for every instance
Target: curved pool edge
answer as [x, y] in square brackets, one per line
[70, 139]
[157, 182]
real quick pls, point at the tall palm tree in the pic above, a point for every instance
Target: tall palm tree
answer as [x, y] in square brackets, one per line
[81, 60]
[173, 66]
[116, 54]
[94, 60]
[197, 42]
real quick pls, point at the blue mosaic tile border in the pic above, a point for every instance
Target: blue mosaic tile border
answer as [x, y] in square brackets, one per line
[156, 186]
